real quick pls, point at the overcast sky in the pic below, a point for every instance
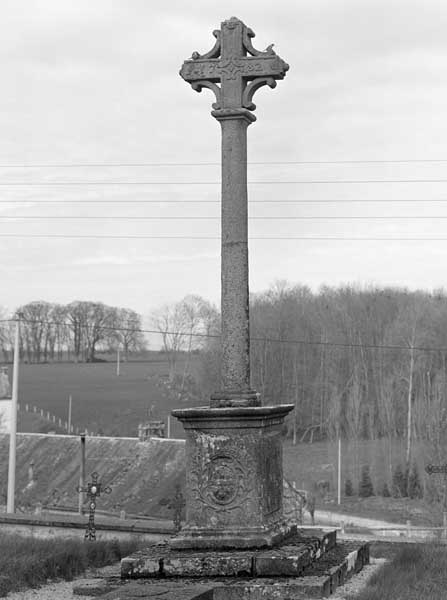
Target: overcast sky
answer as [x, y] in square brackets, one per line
[97, 81]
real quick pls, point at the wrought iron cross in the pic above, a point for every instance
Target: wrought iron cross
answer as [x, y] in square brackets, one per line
[234, 70]
[176, 504]
[93, 490]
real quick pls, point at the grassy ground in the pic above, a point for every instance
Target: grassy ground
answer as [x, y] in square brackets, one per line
[100, 399]
[414, 572]
[30, 562]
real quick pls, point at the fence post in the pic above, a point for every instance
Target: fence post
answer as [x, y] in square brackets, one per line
[408, 528]
[444, 524]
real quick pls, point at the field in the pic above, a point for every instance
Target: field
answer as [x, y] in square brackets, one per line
[101, 401]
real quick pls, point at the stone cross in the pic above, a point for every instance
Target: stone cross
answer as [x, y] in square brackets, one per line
[234, 70]
[233, 491]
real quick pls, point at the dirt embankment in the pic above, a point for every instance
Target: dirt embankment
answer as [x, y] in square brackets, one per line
[139, 473]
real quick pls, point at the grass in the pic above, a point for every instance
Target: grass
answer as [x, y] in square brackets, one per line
[100, 399]
[414, 572]
[30, 562]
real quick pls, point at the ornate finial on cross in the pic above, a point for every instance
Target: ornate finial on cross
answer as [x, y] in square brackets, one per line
[237, 66]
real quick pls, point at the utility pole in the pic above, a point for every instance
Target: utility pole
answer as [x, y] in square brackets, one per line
[69, 414]
[82, 473]
[339, 472]
[10, 502]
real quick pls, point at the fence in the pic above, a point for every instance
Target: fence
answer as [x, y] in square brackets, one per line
[47, 416]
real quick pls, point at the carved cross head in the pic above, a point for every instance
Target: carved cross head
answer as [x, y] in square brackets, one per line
[234, 70]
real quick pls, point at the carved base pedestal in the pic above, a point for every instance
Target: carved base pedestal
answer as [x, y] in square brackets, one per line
[233, 477]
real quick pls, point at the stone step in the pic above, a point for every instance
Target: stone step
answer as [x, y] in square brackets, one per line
[288, 559]
[318, 580]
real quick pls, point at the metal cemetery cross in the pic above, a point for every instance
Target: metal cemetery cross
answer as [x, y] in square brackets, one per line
[241, 71]
[177, 504]
[93, 490]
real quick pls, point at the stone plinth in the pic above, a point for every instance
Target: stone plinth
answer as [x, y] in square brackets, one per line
[234, 492]
[288, 559]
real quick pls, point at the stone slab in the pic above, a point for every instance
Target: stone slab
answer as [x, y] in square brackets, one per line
[209, 564]
[286, 561]
[255, 537]
[173, 590]
[274, 589]
[91, 587]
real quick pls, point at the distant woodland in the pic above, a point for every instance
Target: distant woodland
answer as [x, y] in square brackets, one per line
[77, 331]
[360, 363]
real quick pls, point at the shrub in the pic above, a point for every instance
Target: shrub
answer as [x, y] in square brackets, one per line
[385, 490]
[414, 483]
[400, 479]
[349, 490]
[365, 486]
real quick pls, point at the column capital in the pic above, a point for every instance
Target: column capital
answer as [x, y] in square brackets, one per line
[228, 114]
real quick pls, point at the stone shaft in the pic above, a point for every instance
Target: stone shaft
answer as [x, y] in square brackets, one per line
[235, 372]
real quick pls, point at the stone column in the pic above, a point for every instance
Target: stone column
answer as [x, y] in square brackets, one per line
[235, 373]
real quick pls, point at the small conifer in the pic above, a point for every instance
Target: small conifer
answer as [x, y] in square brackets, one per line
[349, 490]
[365, 486]
[399, 482]
[414, 483]
[385, 490]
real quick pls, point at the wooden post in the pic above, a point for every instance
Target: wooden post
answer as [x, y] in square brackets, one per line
[10, 502]
[69, 413]
[339, 473]
[118, 361]
[168, 433]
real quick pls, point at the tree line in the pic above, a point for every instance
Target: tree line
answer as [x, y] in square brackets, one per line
[77, 331]
[360, 363]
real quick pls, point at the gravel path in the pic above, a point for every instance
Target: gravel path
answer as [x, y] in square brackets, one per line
[63, 590]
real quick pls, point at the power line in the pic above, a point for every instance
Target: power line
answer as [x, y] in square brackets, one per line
[256, 339]
[208, 164]
[303, 181]
[211, 218]
[316, 201]
[195, 237]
